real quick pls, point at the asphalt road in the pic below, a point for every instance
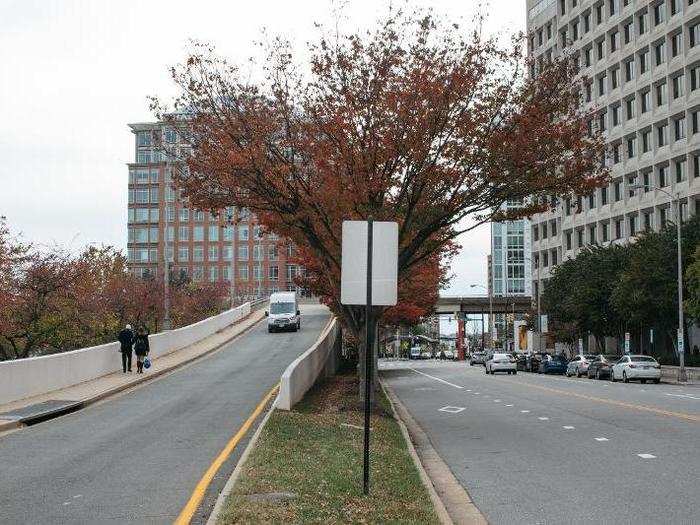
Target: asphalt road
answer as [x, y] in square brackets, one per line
[137, 457]
[548, 449]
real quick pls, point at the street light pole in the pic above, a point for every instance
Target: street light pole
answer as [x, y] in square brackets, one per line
[682, 374]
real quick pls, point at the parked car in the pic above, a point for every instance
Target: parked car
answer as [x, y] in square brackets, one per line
[579, 365]
[553, 364]
[520, 361]
[601, 365]
[640, 367]
[501, 363]
[534, 360]
[447, 354]
[414, 353]
[477, 358]
[426, 354]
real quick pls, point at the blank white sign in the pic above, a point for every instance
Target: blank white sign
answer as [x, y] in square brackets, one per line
[385, 260]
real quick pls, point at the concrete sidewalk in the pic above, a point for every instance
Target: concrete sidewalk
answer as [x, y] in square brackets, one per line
[84, 394]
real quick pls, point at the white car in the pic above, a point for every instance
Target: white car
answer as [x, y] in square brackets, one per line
[501, 363]
[640, 367]
[578, 365]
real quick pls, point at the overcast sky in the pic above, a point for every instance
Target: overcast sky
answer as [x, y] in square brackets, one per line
[73, 73]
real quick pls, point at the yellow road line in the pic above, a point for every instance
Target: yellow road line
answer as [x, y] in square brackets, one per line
[188, 511]
[644, 408]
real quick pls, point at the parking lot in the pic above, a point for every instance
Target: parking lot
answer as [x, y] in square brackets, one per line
[535, 448]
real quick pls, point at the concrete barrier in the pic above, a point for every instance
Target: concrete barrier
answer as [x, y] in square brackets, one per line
[321, 360]
[670, 373]
[24, 378]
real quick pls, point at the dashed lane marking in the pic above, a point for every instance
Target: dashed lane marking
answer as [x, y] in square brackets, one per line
[568, 427]
[436, 378]
[647, 456]
[643, 408]
[509, 405]
[601, 439]
[524, 411]
[496, 400]
[543, 418]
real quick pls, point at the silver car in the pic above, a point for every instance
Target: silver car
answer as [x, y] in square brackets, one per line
[578, 365]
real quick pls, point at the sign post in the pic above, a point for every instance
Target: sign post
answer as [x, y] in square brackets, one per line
[627, 342]
[369, 274]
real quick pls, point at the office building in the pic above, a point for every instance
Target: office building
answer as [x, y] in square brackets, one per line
[641, 59]
[199, 244]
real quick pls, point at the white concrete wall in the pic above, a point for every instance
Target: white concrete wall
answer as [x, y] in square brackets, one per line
[23, 378]
[304, 371]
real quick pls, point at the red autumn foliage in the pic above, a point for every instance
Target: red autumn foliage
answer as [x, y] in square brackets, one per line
[417, 121]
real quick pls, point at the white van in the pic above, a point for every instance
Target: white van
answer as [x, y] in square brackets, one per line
[284, 312]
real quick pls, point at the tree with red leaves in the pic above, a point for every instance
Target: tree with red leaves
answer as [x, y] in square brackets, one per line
[415, 121]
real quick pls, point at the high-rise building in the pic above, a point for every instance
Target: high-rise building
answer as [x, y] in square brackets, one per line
[642, 59]
[198, 244]
[509, 266]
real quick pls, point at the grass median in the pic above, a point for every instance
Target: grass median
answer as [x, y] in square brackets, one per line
[307, 466]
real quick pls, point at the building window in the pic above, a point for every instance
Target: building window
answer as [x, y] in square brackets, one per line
[646, 141]
[632, 147]
[274, 272]
[184, 214]
[644, 61]
[660, 13]
[695, 121]
[243, 253]
[615, 77]
[629, 70]
[183, 233]
[617, 186]
[603, 195]
[678, 85]
[696, 167]
[568, 240]
[663, 176]
[213, 232]
[694, 78]
[183, 254]
[213, 274]
[628, 32]
[679, 128]
[661, 96]
[592, 234]
[632, 220]
[143, 138]
[614, 41]
[660, 53]
[676, 44]
[646, 101]
[662, 135]
[600, 49]
[198, 253]
[694, 35]
[243, 273]
[629, 105]
[605, 229]
[213, 253]
[579, 239]
[680, 171]
[601, 85]
[257, 252]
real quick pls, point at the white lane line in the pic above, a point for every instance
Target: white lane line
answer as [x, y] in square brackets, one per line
[451, 409]
[685, 396]
[543, 418]
[524, 411]
[77, 496]
[647, 456]
[436, 378]
[509, 405]
[476, 393]
[496, 400]
[469, 389]
[568, 427]
[601, 439]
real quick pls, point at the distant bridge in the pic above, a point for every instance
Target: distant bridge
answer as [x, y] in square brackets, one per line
[480, 304]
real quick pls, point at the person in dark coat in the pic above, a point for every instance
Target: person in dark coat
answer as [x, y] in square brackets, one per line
[126, 338]
[141, 348]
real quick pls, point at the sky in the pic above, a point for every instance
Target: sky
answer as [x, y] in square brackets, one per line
[73, 73]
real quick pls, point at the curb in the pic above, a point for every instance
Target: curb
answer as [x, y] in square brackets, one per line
[452, 502]
[83, 403]
[236, 474]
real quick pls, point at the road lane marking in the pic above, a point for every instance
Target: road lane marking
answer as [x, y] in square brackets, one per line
[476, 393]
[643, 408]
[543, 418]
[496, 400]
[451, 409]
[524, 411]
[601, 439]
[509, 405]
[568, 427]
[436, 378]
[199, 491]
[684, 396]
[647, 456]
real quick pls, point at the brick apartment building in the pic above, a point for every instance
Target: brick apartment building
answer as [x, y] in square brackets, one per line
[199, 244]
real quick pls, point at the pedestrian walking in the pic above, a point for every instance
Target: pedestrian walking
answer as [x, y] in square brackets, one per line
[126, 339]
[141, 348]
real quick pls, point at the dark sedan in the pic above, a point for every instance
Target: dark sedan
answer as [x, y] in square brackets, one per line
[553, 364]
[601, 365]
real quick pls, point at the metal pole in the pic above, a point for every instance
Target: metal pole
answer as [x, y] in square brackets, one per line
[369, 347]
[539, 314]
[232, 267]
[682, 376]
[483, 335]
[491, 323]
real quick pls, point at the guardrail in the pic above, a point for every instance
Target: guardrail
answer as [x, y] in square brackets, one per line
[24, 378]
[321, 360]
